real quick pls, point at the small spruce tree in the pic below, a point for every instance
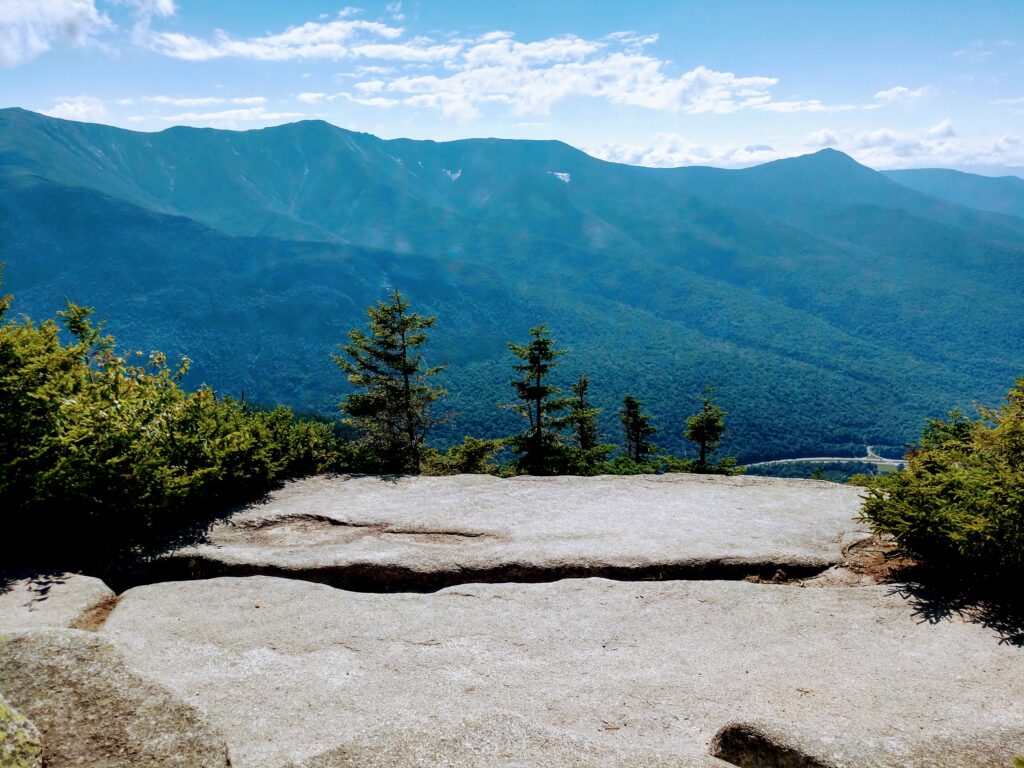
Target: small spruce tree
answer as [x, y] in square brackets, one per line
[636, 429]
[541, 446]
[587, 450]
[705, 428]
[392, 408]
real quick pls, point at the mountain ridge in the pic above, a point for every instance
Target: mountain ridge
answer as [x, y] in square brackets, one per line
[817, 294]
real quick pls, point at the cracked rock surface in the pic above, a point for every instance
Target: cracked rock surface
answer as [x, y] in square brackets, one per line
[576, 672]
[423, 533]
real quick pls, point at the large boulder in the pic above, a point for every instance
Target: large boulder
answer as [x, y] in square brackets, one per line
[92, 710]
[54, 600]
[575, 672]
[423, 533]
[20, 743]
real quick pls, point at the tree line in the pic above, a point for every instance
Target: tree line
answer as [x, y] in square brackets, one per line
[394, 406]
[104, 453]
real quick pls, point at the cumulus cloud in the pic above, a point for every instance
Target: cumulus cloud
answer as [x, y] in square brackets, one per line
[671, 150]
[459, 76]
[29, 28]
[939, 145]
[823, 138]
[529, 78]
[86, 109]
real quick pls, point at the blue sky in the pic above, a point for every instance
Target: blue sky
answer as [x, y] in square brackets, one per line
[729, 83]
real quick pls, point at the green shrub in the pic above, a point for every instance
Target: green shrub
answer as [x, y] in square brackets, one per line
[99, 452]
[959, 503]
[470, 457]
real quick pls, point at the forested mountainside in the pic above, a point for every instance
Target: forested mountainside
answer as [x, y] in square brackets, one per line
[828, 304]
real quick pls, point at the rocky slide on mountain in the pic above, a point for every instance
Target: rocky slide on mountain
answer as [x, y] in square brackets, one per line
[475, 621]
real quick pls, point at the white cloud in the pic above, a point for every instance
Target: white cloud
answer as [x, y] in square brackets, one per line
[313, 40]
[230, 118]
[671, 150]
[1009, 102]
[527, 78]
[901, 95]
[310, 97]
[395, 11]
[939, 145]
[806, 105]
[822, 138]
[420, 49]
[206, 101]
[530, 78]
[981, 50]
[29, 28]
[86, 109]
[145, 10]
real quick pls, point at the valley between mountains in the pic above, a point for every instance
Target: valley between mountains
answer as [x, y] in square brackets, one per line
[829, 305]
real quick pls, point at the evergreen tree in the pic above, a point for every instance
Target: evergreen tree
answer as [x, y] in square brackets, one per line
[636, 428]
[392, 410]
[705, 428]
[541, 446]
[582, 420]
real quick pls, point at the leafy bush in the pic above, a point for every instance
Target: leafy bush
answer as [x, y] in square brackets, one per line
[470, 457]
[99, 452]
[959, 503]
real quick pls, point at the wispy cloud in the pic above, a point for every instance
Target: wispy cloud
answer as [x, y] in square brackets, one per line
[205, 101]
[227, 118]
[336, 39]
[901, 95]
[980, 50]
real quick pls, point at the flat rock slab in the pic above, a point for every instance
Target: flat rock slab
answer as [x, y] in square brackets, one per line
[580, 672]
[92, 710]
[52, 600]
[423, 533]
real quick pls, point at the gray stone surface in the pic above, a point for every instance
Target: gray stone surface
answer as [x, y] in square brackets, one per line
[576, 672]
[429, 532]
[92, 710]
[21, 745]
[56, 600]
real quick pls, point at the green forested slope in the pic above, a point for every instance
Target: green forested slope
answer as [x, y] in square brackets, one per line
[828, 304]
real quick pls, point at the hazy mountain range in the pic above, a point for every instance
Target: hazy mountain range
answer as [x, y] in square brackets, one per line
[827, 303]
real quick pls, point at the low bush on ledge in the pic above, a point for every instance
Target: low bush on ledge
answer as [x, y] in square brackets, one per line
[958, 506]
[98, 451]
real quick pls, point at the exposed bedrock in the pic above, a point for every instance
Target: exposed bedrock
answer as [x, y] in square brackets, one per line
[576, 672]
[427, 533]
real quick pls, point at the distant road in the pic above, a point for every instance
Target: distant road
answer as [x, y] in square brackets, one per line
[871, 458]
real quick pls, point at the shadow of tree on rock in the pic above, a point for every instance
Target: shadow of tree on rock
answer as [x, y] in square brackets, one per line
[935, 601]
